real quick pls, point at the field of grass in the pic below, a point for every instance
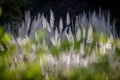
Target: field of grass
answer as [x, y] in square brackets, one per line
[91, 52]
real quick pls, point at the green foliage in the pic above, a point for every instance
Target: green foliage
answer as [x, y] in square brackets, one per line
[54, 51]
[96, 37]
[117, 51]
[11, 9]
[41, 34]
[102, 65]
[27, 47]
[65, 45]
[103, 38]
[88, 49]
[31, 72]
[5, 42]
[83, 74]
[77, 73]
[77, 45]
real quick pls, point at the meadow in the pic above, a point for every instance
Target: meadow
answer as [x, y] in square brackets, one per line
[36, 49]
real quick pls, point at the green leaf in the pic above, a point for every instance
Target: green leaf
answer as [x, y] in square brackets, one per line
[6, 38]
[103, 38]
[54, 51]
[65, 45]
[27, 47]
[117, 51]
[40, 34]
[77, 45]
[41, 53]
[88, 49]
[96, 36]
[11, 50]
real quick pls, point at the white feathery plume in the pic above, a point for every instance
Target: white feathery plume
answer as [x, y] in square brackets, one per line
[84, 32]
[60, 25]
[78, 34]
[21, 41]
[38, 22]
[52, 19]
[33, 28]
[90, 34]
[27, 20]
[56, 34]
[22, 31]
[93, 19]
[48, 27]
[83, 20]
[102, 49]
[82, 49]
[44, 21]
[52, 40]
[55, 39]
[108, 45]
[77, 22]
[70, 35]
[68, 19]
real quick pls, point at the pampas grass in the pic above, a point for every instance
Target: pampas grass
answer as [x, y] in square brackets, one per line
[84, 34]
[56, 54]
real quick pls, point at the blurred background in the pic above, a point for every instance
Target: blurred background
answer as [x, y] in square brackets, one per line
[74, 7]
[14, 9]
